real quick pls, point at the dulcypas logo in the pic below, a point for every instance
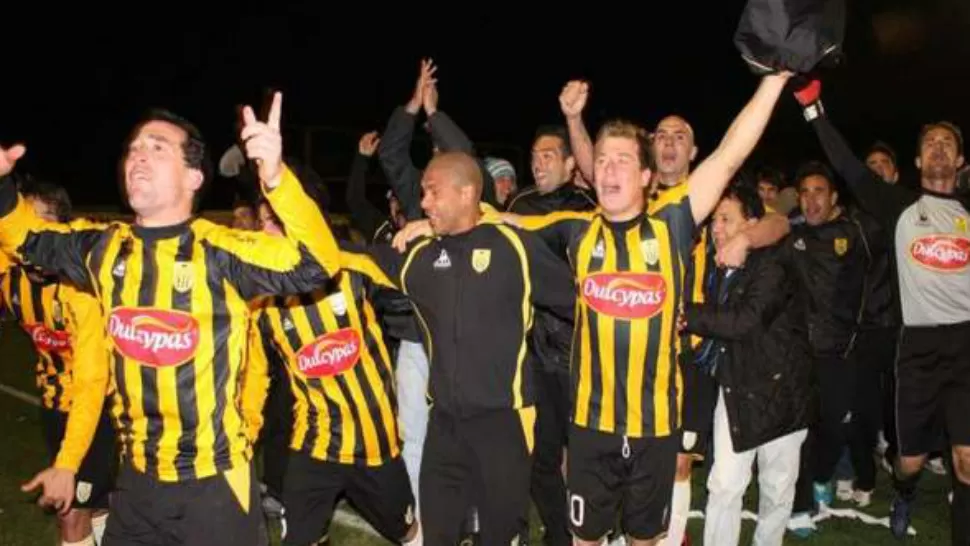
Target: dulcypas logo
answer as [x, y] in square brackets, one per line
[48, 340]
[330, 354]
[625, 296]
[944, 253]
[154, 337]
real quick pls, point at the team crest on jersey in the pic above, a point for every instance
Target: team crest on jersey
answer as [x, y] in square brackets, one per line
[157, 338]
[481, 257]
[83, 491]
[330, 354]
[841, 245]
[183, 277]
[651, 251]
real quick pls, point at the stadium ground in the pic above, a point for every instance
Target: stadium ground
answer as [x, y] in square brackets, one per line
[22, 454]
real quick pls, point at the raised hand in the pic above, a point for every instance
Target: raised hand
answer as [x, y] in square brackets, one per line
[426, 75]
[368, 143]
[430, 97]
[410, 232]
[573, 97]
[263, 141]
[9, 157]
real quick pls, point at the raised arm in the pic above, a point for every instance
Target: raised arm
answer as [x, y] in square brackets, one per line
[61, 249]
[707, 182]
[883, 201]
[572, 101]
[364, 216]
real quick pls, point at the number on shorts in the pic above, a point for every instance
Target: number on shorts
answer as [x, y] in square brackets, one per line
[577, 510]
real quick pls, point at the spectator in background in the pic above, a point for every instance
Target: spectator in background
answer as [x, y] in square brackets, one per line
[769, 186]
[503, 173]
[244, 214]
[882, 160]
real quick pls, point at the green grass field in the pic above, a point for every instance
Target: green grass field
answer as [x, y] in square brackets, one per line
[23, 453]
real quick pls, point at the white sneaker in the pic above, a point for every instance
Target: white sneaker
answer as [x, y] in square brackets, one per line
[936, 466]
[862, 498]
[843, 490]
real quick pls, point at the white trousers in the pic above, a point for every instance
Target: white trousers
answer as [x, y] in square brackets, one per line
[778, 462]
[412, 406]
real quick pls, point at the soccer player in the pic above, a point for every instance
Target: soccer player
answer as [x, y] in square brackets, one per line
[630, 268]
[344, 437]
[65, 326]
[175, 291]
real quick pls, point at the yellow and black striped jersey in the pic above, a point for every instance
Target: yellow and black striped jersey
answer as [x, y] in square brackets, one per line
[67, 331]
[700, 261]
[177, 317]
[339, 370]
[624, 369]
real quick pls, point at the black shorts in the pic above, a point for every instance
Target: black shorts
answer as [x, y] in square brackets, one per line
[96, 477]
[607, 472]
[933, 388]
[700, 396]
[221, 509]
[311, 488]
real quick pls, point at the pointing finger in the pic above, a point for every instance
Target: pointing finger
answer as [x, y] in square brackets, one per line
[275, 111]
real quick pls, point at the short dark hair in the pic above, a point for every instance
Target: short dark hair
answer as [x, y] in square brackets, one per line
[815, 168]
[746, 194]
[947, 125]
[53, 194]
[194, 148]
[884, 149]
[559, 132]
[621, 128]
[771, 175]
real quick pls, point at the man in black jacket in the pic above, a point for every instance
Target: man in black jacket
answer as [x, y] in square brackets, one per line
[756, 348]
[552, 168]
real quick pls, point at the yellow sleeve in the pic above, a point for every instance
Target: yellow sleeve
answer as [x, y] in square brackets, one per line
[55, 247]
[255, 381]
[89, 379]
[303, 221]
[367, 266]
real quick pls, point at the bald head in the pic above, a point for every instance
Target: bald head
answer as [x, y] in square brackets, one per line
[452, 186]
[674, 149]
[458, 168]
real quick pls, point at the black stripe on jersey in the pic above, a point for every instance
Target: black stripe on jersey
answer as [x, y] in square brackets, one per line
[222, 459]
[654, 327]
[596, 375]
[149, 374]
[13, 299]
[185, 374]
[125, 421]
[621, 340]
[676, 267]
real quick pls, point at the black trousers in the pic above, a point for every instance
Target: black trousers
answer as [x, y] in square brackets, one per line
[482, 461]
[875, 353]
[548, 486]
[274, 438]
[221, 509]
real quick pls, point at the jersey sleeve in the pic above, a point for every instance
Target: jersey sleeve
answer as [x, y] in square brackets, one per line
[551, 278]
[258, 264]
[89, 379]
[255, 378]
[886, 202]
[58, 248]
[556, 229]
[380, 264]
[680, 221]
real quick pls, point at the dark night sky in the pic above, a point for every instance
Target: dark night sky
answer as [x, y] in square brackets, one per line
[71, 92]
